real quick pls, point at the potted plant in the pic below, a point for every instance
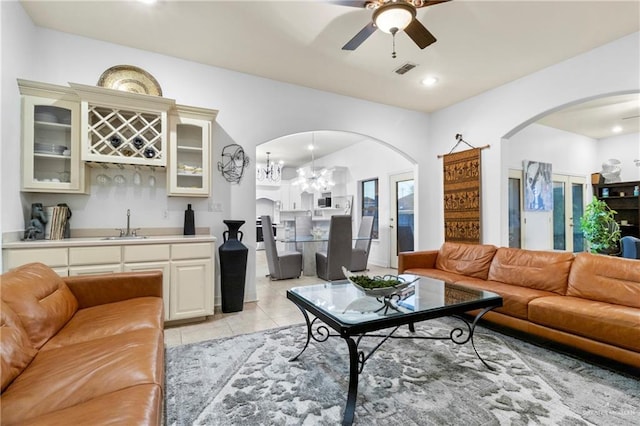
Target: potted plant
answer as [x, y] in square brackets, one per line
[600, 228]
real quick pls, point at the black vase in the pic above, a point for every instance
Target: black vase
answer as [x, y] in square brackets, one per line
[233, 267]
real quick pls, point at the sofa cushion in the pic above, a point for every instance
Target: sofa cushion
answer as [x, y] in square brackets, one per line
[437, 274]
[40, 298]
[541, 270]
[472, 260]
[515, 299]
[605, 279]
[109, 319]
[16, 351]
[137, 405]
[605, 322]
[60, 378]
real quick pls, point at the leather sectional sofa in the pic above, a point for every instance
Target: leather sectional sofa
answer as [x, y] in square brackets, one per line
[586, 301]
[81, 350]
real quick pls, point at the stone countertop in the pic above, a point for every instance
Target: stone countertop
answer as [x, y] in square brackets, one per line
[103, 241]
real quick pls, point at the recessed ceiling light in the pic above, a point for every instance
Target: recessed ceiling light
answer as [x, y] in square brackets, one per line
[148, 1]
[616, 129]
[429, 81]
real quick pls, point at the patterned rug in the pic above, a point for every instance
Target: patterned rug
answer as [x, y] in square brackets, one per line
[248, 380]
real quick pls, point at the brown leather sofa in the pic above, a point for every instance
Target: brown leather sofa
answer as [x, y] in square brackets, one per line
[81, 350]
[586, 301]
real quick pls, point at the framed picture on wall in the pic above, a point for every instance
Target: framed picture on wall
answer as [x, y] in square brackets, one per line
[538, 186]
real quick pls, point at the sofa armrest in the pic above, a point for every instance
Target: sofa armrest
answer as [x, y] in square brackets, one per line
[416, 259]
[92, 290]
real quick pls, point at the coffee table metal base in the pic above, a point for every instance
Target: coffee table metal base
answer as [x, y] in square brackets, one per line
[357, 358]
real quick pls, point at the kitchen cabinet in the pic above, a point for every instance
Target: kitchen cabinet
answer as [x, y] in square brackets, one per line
[151, 258]
[190, 151]
[123, 127]
[56, 258]
[94, 260]
[191, 280]
[51, 139]
[187, 267]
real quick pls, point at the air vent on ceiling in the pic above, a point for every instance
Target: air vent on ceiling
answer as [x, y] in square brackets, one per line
[405, 68]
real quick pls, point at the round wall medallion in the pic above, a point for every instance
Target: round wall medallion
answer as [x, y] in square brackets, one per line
[130, 79]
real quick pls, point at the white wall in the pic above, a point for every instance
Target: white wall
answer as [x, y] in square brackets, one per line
[501, 112]
[568, 153]
[252, 110]
[369, 160]
[625, 148]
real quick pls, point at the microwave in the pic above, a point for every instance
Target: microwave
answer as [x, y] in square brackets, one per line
[324, 202]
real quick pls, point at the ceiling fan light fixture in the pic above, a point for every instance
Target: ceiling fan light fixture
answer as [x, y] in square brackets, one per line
[393, 17]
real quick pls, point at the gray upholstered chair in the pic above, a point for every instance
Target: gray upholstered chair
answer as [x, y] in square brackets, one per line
[283, 265]
[630, 247]
[360, 253]
[329, 264]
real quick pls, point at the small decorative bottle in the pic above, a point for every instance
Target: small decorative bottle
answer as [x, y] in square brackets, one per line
[189, 221]
[636, 191]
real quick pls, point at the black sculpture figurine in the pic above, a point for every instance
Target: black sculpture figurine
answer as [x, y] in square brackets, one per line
[35, 230]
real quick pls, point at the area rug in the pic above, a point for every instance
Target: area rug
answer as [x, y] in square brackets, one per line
[248, 380]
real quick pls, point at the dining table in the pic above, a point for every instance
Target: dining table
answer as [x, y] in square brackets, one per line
[311, 244]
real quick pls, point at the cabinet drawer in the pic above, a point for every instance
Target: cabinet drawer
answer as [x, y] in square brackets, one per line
[146, 253]
[191, 251]
[49, 256]
[94, 255]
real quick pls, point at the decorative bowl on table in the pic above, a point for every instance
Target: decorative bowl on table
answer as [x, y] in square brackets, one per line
[377, 286]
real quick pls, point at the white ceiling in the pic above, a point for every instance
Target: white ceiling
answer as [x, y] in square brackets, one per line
[481, 44]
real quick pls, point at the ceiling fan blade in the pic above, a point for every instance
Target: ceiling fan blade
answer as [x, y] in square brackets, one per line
[419, 34]
[360, 37]
[351, 3]
[433, 2]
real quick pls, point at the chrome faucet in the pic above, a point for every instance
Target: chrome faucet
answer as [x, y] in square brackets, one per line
[128, 232]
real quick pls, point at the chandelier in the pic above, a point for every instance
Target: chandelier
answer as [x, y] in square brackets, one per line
[272, 172]
[316, 180]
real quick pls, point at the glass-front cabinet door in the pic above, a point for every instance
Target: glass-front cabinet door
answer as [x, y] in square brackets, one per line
[190, 151]
[50, 140]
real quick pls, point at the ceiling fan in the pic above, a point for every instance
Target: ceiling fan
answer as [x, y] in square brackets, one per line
[393, 16]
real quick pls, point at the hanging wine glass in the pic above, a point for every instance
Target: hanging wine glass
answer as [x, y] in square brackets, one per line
[152, 177]
[137, 178]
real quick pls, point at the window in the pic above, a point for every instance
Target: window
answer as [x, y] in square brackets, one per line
[369, 191]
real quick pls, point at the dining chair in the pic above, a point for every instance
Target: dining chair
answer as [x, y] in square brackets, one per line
[287, 264]
[630, 247]
[329, 263]
[360, 253]
[303, 226]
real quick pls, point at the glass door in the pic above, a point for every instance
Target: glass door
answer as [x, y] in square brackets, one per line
[568, 207]
[515, 209]
[402, 225]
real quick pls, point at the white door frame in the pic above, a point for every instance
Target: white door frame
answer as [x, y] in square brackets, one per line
[569, 224]
[393, 214]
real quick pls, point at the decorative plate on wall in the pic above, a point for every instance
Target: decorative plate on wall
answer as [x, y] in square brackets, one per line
[130, 79]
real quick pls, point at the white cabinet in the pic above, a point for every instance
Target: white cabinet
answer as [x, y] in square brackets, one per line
[187, 268]
[56, 258]
[123, 127]
[191, 280]
[94, 260]
[51, 139]
[190, 151]
[191, 289]
[151, 258]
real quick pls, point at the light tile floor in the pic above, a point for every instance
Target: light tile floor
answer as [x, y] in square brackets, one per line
[272, 309]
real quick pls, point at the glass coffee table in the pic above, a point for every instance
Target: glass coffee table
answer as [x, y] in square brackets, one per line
[352, 315]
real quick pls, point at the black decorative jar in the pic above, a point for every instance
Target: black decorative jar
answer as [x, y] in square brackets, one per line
[233, 267]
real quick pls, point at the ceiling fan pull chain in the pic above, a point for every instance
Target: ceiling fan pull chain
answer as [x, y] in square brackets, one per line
[393, 37]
